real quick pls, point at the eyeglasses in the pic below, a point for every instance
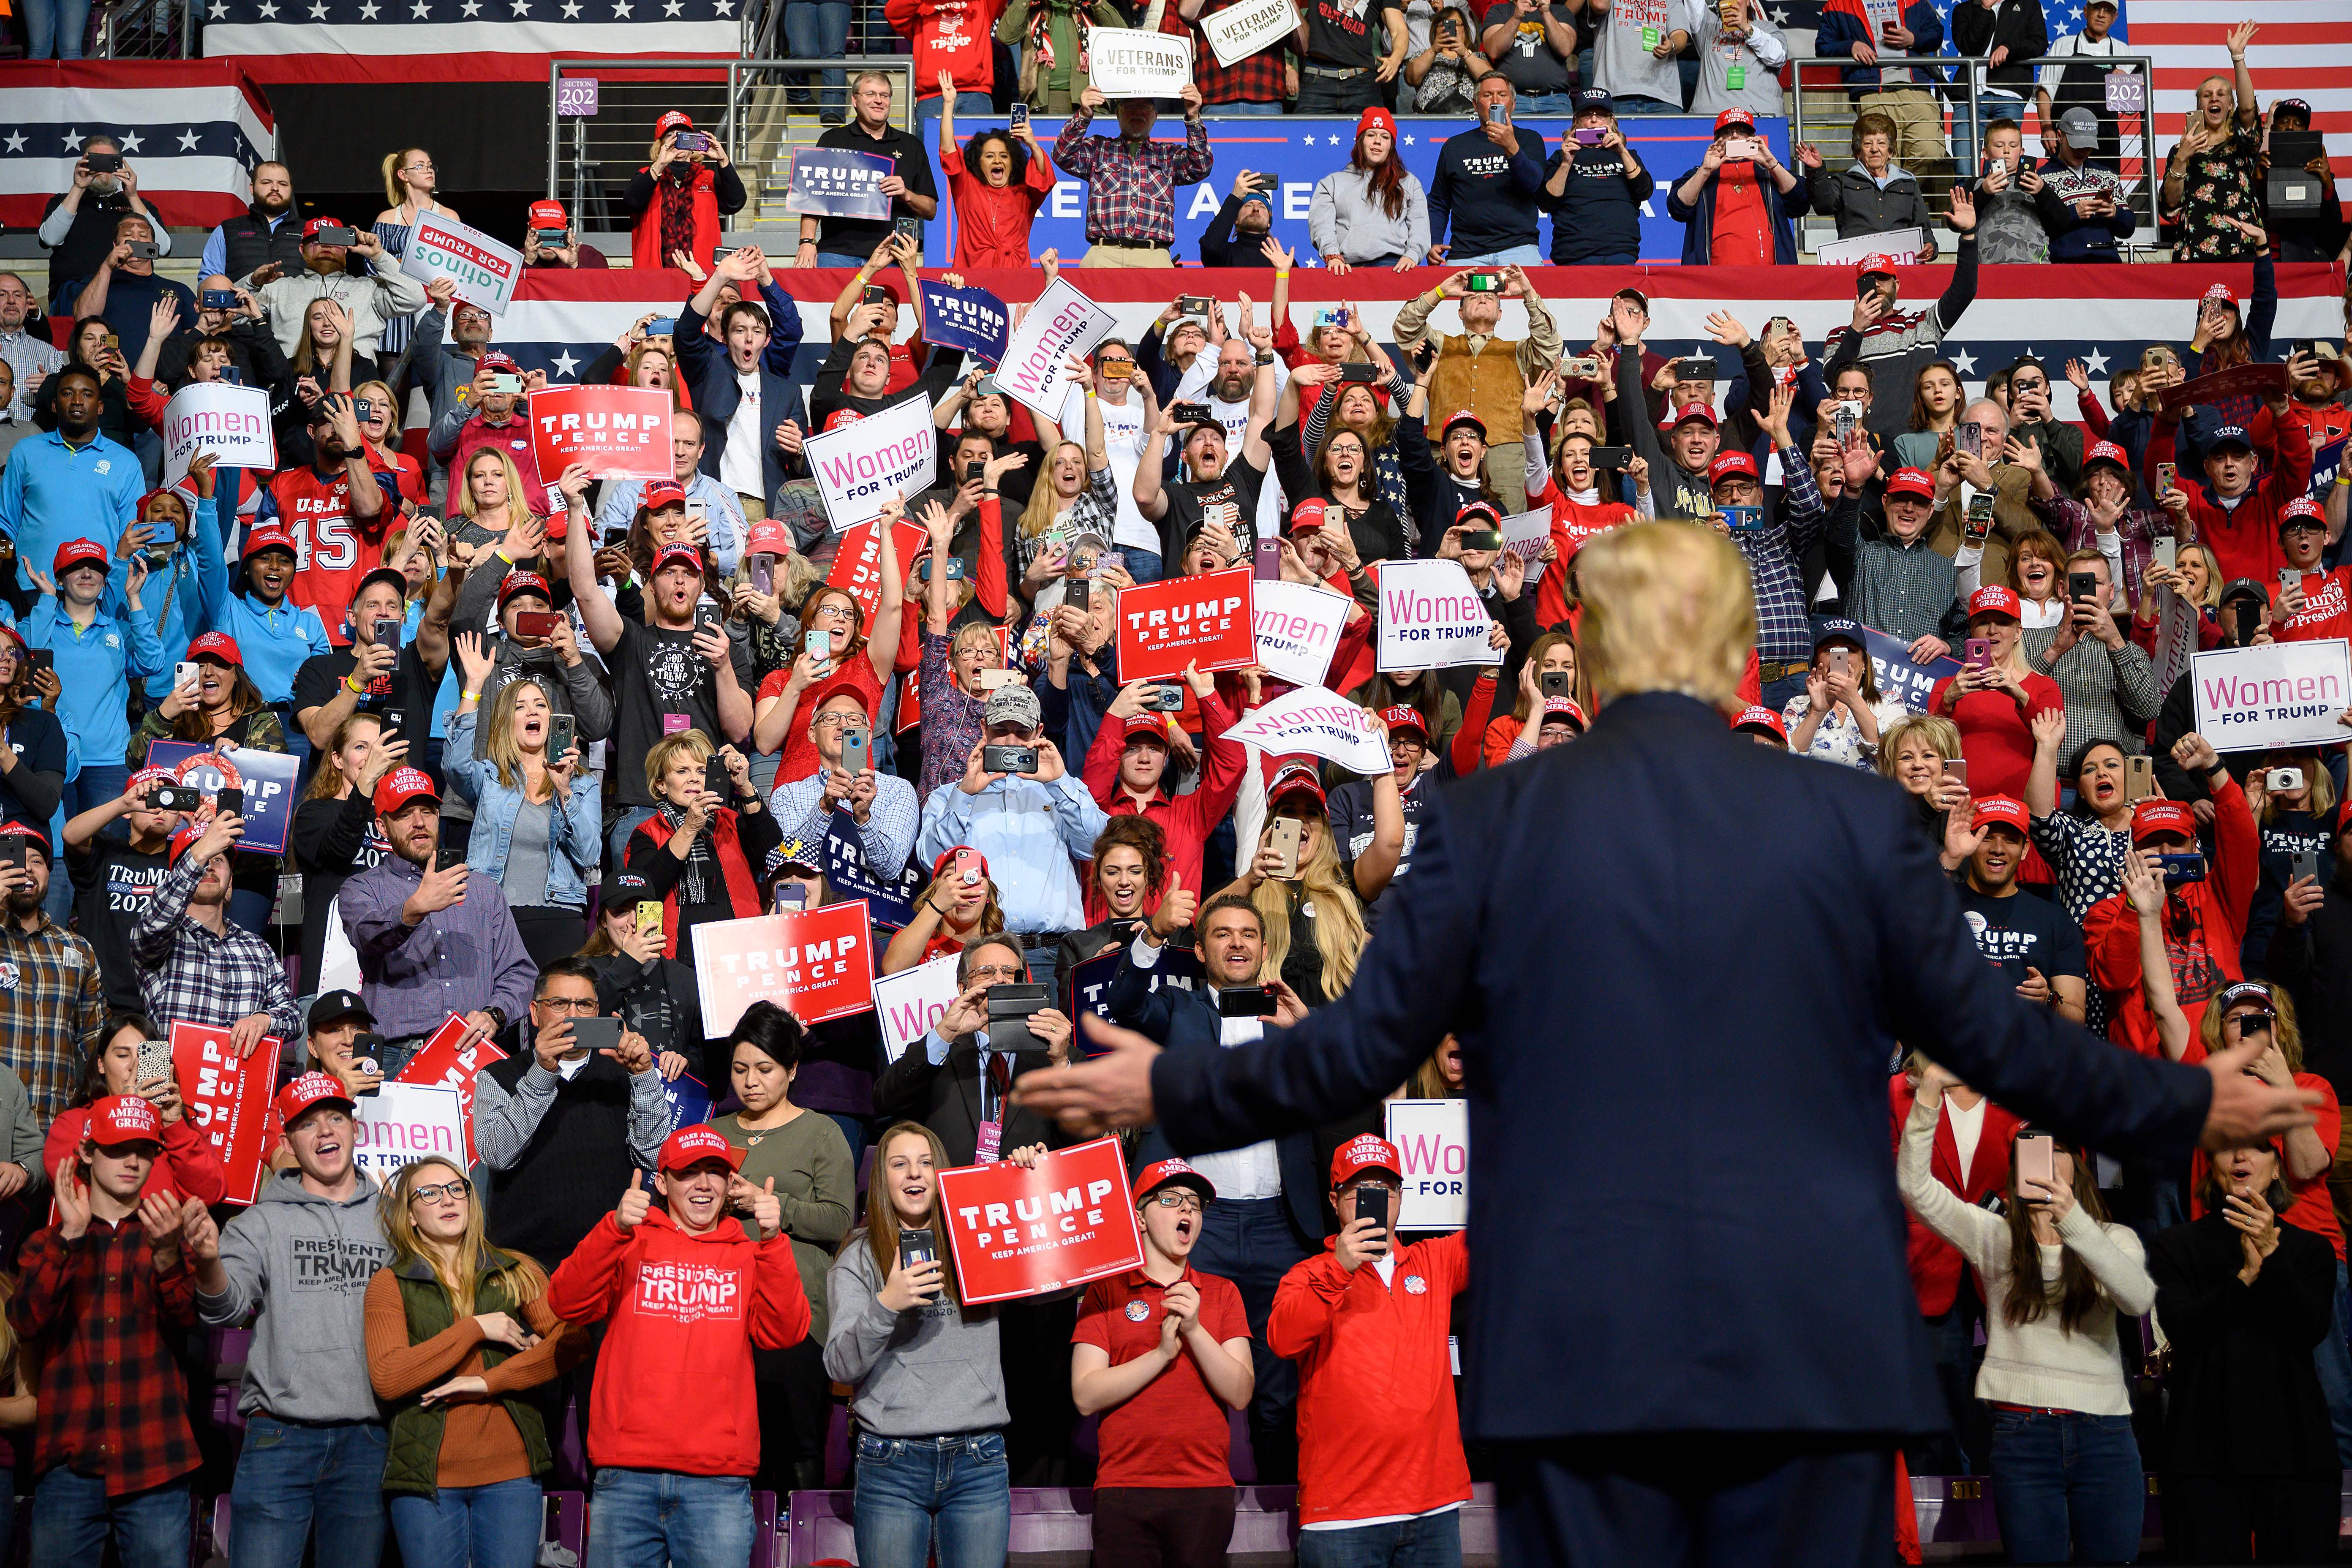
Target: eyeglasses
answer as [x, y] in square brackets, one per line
[829, 612]
[998, 973]
[1190, 1201]
[456, 1189]
[582, 1005]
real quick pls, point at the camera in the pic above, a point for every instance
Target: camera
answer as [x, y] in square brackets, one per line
[1008, 759]
[228, 802]
[1691, 369]
[2082, 585]
[549, 238]
[1482, 539]
[144, 250]
[1359, 373]
[662, 327]
[218, 300]
[1580, 367]
[102, 163]
[2277, 779]
[1612, 458]
[875, 294]
[2178, 868]
[1248, 1002]
[692, 142]
[1589, 135]
[1010, 1009]
[1484, 283]
[1742, 519]
[1190, 414]
[1020, 112]
[1554, 682]
[175, 797]
[1194, 304]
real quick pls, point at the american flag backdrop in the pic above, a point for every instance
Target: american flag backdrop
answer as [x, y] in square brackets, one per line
[192, 129]
[402, 28]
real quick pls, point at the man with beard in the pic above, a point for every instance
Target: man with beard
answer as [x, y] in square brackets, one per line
[335, 510]
[266, 236]
[196, 966]
[1210, 492]
[371, 296]
[71, 483]
[447, 370]
[252, 351]
[77, 226]
[1241, 234]
[1171, 351]
[31, 356]
[54, 1017]
[493, 418]
[429, 943]
[2035, 944]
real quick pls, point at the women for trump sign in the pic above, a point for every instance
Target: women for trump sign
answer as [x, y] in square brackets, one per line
[232, 422]
[863, 466]
[1018, 1232]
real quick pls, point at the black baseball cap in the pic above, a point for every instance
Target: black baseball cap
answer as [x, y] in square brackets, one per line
[330, 1006]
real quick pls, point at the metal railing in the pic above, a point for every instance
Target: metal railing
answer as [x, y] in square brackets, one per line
[146, 30]
[1823, 111]
[759, 109]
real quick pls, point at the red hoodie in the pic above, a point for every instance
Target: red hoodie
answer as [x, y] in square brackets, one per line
[950, 35]
[2243, 539]
[1572, 523]
[2204, 925]
[674, 1382]
[1185, 820]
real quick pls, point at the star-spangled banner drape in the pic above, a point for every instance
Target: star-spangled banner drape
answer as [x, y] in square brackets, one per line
[192, 129]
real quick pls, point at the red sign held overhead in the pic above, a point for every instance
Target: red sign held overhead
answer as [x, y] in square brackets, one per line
[441, 1063]
[818, 965]
[1019, 1232]
[857, 564]
[1203, 620]
[620, 432]
[227, 1100]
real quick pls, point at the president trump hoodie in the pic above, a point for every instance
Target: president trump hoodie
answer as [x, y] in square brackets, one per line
[686, 1311]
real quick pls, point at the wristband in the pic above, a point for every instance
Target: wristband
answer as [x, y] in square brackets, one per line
[1282, 272]
[353, 684]
[502, 555]
[470, 697]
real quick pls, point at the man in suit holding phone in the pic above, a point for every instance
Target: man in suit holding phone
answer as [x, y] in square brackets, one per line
[1674, 1356]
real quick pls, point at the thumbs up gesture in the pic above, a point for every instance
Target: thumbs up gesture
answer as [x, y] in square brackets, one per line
[767, 1212]
[1176, 909]
[636, 1204]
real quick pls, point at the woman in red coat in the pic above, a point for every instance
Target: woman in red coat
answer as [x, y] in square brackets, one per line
[678, 199]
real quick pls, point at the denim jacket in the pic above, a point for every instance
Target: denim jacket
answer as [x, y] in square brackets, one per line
[576, 829]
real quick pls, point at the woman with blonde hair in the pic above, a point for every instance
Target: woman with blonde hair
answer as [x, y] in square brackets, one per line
[1314, 917]
[927, 1375]
[381, 426]
[334, 835]
[1553, 654]
[1075, 493]
[325, 351]
[700, 855]
[2178, 612]
[949, 915]
[409, 189]
[1995, 703]
[538, 819]
[493, 494]
[456, 1330]
[653, 367]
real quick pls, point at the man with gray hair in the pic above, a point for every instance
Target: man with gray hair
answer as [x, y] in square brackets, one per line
[848, 241]
[30, 358]
[77, 226]
[1961, 479]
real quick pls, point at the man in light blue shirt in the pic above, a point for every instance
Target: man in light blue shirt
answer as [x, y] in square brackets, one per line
[722, 514]
[1032, 826]
[71, 483]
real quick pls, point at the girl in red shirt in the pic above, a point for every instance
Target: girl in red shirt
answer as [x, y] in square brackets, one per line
[993, 208]
[1994, 703]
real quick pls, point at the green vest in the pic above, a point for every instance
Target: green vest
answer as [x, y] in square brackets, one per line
[412, 1458]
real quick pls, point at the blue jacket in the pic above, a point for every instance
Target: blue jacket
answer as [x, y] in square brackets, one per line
[185, 598]
[577, 829]
[1188, 1020]
[51, 494]
[1719, 1248]
[95, 667]
[1844, 24]
[1698, 221]
[711, 376]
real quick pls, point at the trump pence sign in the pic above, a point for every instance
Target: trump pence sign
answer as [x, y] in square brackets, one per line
[818, 965]
[1203, 620]
[1018, 1232]
[620, 432]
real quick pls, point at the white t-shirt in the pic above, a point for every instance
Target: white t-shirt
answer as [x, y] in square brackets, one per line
[1123, 440]
[740, 466]
[1968, 1128]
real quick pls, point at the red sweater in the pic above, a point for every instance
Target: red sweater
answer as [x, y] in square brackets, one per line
[2204, 924]
[674, 1383]
[188, 1166]
[1185, 820]
[1378, 1433]
[1935, 1263]
[645, 239]
[993, 222]
[1996, 736]
[2243, 539]
[1572, 523]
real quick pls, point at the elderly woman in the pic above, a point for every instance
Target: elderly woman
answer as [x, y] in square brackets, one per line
[2100, 515]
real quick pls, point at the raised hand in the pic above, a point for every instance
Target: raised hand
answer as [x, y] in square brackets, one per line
[767, 1212]
[1176, 909]
[636, 1204]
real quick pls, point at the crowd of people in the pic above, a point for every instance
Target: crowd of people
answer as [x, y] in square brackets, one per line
[541, 730]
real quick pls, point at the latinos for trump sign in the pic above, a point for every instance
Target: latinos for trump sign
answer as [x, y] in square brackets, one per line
[1203, 620]
[232, 422]
[1062, 322]
[1238, 31]
[483, 272]
[1018, 1232]
[1431, 617]
[867, 464]
[620, 432]
[837, 181]
[1126, 63]
[818, 965]
[972, 320]
[267, 778]
[1322, 725]
[227, 1104]
[1297, 629]
[2285, 694]
[404, 1122]
[1433, 1138]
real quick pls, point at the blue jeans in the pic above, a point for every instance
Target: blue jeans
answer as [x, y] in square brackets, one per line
[58, 29]
[72, 1517]
[1990, 106]
[1143, 566]
[1545, 103]
[617, 841]
[1252, 1242]
[290, 1478]
[496, 1526]
[1635, 103]
[841, 258]
[1432, 1542]
[1215, 109]
[920, 1495]
[2333, 1359]
[968, 103]
[819, 30]
[642, 1518]
[2067, 1487]
[1517, 255]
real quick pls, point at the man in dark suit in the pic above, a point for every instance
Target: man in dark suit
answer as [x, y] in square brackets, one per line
[1679, 965]
[1269, 1210]
[953, 1080]
[750, 349]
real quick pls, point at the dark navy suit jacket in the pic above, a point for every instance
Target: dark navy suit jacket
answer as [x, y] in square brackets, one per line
[710, 375]
[1679, 964]
[1187, 1020]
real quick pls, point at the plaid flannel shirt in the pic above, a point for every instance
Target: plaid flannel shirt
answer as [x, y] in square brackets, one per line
[52, 1010]
[1132, 186]
[1784, 630]
[1253, 78]
[191, 974]
[90, 1314]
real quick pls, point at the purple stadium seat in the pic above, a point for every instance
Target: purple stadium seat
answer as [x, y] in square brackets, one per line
[566, 1525]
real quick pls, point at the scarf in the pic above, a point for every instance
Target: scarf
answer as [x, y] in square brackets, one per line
[702, 872]
[675, 191]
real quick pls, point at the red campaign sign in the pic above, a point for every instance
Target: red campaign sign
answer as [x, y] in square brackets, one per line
[439, 1063]
[2241, 380]
[1023, 1233]
[1203, 620]
[620, 432]
[228, 1100]
[857, 564]
[818, 965]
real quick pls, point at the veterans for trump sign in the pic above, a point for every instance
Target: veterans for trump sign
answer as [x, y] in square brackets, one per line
[1124, 62]
[818, 965]
[1432, 618]
[2282, 694]
[1202, 620]
[620, 432]
[483, 272]
[1238, 31]
[863, 466]
[1320, 724]
[230, 422]
[1017, 1232]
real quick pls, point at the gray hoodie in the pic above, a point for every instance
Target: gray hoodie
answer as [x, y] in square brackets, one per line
[928, 1371]
[303, 1262]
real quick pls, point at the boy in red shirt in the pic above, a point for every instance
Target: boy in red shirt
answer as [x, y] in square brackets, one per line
[1381, 1475]
[2317, 602]
[1164, 1353]
[688, 1295]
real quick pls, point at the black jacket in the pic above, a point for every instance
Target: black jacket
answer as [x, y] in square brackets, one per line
[947, 1099]
[1221, 244]
[2018, 27]
[2314, 962]
[86, 243]
[249, 242]
[2243, 1398]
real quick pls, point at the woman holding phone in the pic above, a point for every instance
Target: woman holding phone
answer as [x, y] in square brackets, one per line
[2067, 1483]
[1995, 697]
[929, 1380]
[1312, 909]
[224, 712]
[698, 855]
[125, 1064]
[1913, 752]
[951, 914]
[2176, 616]
[1553, 654]
[1841, 715]
[1935, 400]
[1124, 882]
[334, 835]
[538, 819]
